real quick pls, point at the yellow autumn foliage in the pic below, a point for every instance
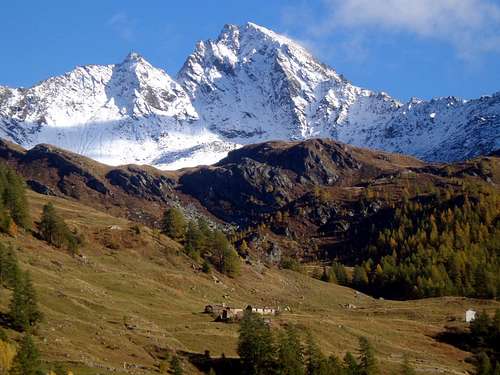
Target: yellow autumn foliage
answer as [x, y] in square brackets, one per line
[7, 354]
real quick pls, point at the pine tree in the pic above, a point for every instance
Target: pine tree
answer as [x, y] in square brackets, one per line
[176, 366]
[15, 199]
[255, 346]
[52, 227]
[483, 364]
[367, 361]
[232, 263]
[225, 258]
[205, 266]
[9, 269]
[360, 277]
[193, 241]
[26, 361]
[480, 328]
[316, 363]
[351, 366]
[174, 224]
[290, 353]
[340, 273]
[23, 308]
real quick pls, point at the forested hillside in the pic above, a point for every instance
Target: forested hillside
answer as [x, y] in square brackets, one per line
[443, 243]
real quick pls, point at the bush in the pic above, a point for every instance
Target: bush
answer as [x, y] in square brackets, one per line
[291, 264]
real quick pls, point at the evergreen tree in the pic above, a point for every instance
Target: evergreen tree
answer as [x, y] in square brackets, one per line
[9, 269]
[351, 366]
[327, 276]
[316, 363]
[480, 328]
[256, 346]
[15, 199]
[52, 227]
[340, 273]
[26, 361]
[194, 240]
[174, 224]
[176, 366]
[225, 258]
[23, 308]
[290, 353]
[484, 364]
[367, 362]
[360, 277]
[205, 266]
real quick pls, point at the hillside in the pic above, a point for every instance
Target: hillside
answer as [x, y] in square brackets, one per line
[308, 198]
[132, 295]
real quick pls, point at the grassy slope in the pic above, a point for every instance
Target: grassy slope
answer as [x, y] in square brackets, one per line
[124, 306]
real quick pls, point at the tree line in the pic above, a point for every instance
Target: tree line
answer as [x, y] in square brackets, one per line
[263, 351]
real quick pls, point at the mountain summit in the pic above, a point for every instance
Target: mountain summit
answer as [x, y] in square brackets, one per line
[249, 85]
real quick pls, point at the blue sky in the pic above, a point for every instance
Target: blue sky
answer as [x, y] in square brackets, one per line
[407, 48]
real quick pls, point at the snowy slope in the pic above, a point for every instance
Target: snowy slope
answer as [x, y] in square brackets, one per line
[125, 113]
[273, 87]
[248, 85]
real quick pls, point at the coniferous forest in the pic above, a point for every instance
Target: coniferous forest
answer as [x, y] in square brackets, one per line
[433, 245]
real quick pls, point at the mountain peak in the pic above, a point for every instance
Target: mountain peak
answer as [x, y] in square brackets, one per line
[134, 56]
[134, 59]
[248, 85]
[234, 36]
[253, 27]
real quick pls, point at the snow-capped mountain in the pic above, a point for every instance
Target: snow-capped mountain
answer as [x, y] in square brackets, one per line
[125, 113]
[248, 85]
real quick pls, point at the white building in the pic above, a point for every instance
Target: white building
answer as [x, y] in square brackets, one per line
[470, 315]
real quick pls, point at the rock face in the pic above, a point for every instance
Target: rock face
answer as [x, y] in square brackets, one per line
[138, 193]
[259, 179]
[249, 85]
